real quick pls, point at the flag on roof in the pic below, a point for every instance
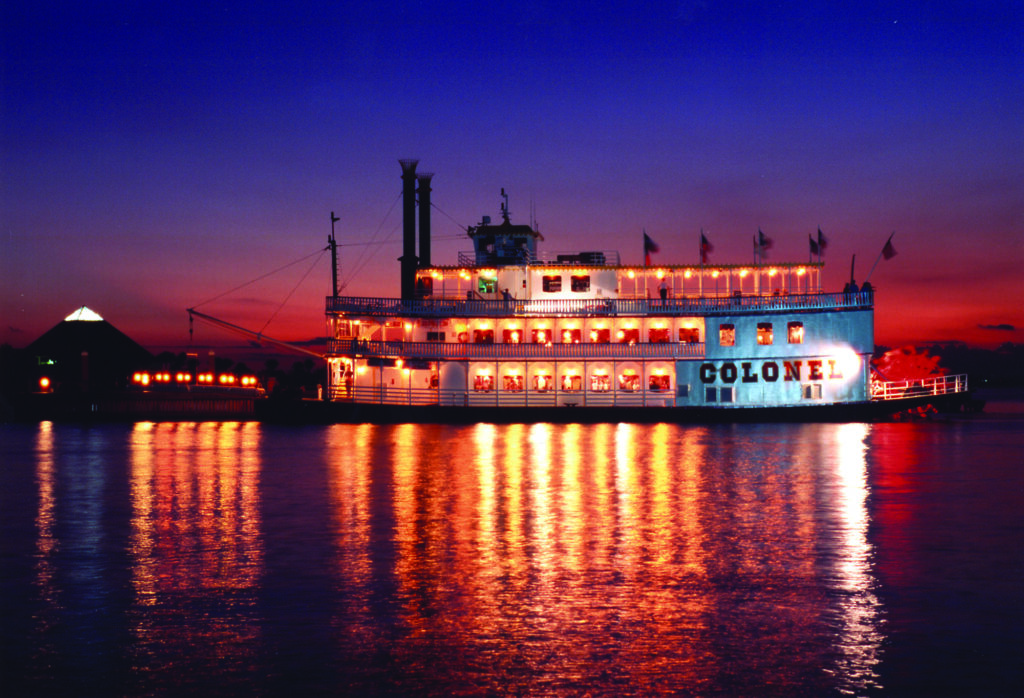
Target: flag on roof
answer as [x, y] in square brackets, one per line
[649, 247]
[705, 248]
[888, 252]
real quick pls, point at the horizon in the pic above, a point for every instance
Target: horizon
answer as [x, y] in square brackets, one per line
[159, 159]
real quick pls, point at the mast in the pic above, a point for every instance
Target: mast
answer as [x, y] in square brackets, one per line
[334, 256]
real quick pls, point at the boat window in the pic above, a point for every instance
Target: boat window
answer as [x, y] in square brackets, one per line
[726, 395]
[486, 285]
[658, 335]
[628, 336]
[689, 335]
[660, 383]
[727, 335]
[435, 336]
[572, 382]
[683, 390]
[483, 383]
[764, 333]
[600, 383]
[542, 382]
[581, 283]
[483, 336]
[541, 336]
[629, 382]
[570, 336]
[710, 394]
[812, 391]
[796, 333]
[602, 336]
[552, 284]
[511, 336]
[513, 383]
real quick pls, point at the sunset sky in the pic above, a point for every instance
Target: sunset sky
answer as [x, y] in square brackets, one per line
[158, 155]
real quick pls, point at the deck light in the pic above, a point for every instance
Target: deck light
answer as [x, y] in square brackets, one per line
[44, 383]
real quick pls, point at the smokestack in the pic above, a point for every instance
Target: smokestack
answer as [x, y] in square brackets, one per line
[408, 258]
[424, 190]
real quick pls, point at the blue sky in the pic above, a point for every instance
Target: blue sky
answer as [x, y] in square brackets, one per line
[156, 155]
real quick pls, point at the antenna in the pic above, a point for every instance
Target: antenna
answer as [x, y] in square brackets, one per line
[504, 206]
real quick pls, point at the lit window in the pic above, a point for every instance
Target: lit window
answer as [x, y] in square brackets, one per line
[486, 285]
[630, 382]
[764, 333]
[572, 382]
[600, 383]
[552, 284]
[689, 335]
[727, 335]
[601, 336]
[658, 335]
[542, 382]
[483, 336]
[511, 336]
[513, 383]
[581, 283]
[796, 333]
[571, 336]
[483, 383]
[660, 383]
[540, 336]
[628, 336]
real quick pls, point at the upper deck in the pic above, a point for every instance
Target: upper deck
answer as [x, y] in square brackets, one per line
[437, 308]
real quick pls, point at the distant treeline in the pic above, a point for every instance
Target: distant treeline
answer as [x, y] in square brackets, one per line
[996, 368]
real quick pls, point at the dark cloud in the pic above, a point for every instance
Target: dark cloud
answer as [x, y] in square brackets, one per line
[1003, 327]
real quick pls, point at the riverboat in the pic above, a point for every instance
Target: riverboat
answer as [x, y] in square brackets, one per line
[512, 332]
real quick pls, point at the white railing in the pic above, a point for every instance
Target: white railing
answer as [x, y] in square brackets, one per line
[398, 395]
[457, 350]
[919, 387]
[593, 307]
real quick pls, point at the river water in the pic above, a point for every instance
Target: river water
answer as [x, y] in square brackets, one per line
[609, 559]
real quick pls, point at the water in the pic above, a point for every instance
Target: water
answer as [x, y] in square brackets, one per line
[247, 559]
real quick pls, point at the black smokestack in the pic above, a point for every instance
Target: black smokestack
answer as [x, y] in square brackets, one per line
[424, 190]
[408, 258]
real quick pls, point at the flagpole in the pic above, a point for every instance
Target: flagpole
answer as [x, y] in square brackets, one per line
[879, 256]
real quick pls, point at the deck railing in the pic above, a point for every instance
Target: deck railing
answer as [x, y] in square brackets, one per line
[594, 307]
[919, 387]
[456, 350]
[407, 395]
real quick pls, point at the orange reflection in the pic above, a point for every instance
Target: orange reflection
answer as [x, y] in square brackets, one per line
[195, 540]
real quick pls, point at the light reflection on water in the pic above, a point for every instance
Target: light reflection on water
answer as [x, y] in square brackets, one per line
[538, 559]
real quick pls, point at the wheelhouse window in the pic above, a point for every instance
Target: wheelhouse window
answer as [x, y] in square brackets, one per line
[660, 382]
[483, 336]
[600, 382]
[628, 336]
[572, 382]
[658, 335]
[485, 285]
[600, 336]
[689, 335]
[581, 283]
[541, 336]
[764, 333]
[570, 336]
[727, 335]
[483, 383]
[552, 284]
[796, 332]
[512, 336]
[629, 382]
[542, 382]
[513, 383]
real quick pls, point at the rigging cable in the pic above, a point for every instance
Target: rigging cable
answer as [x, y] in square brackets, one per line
[260, 278]
[362, 259]
[292, 292]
